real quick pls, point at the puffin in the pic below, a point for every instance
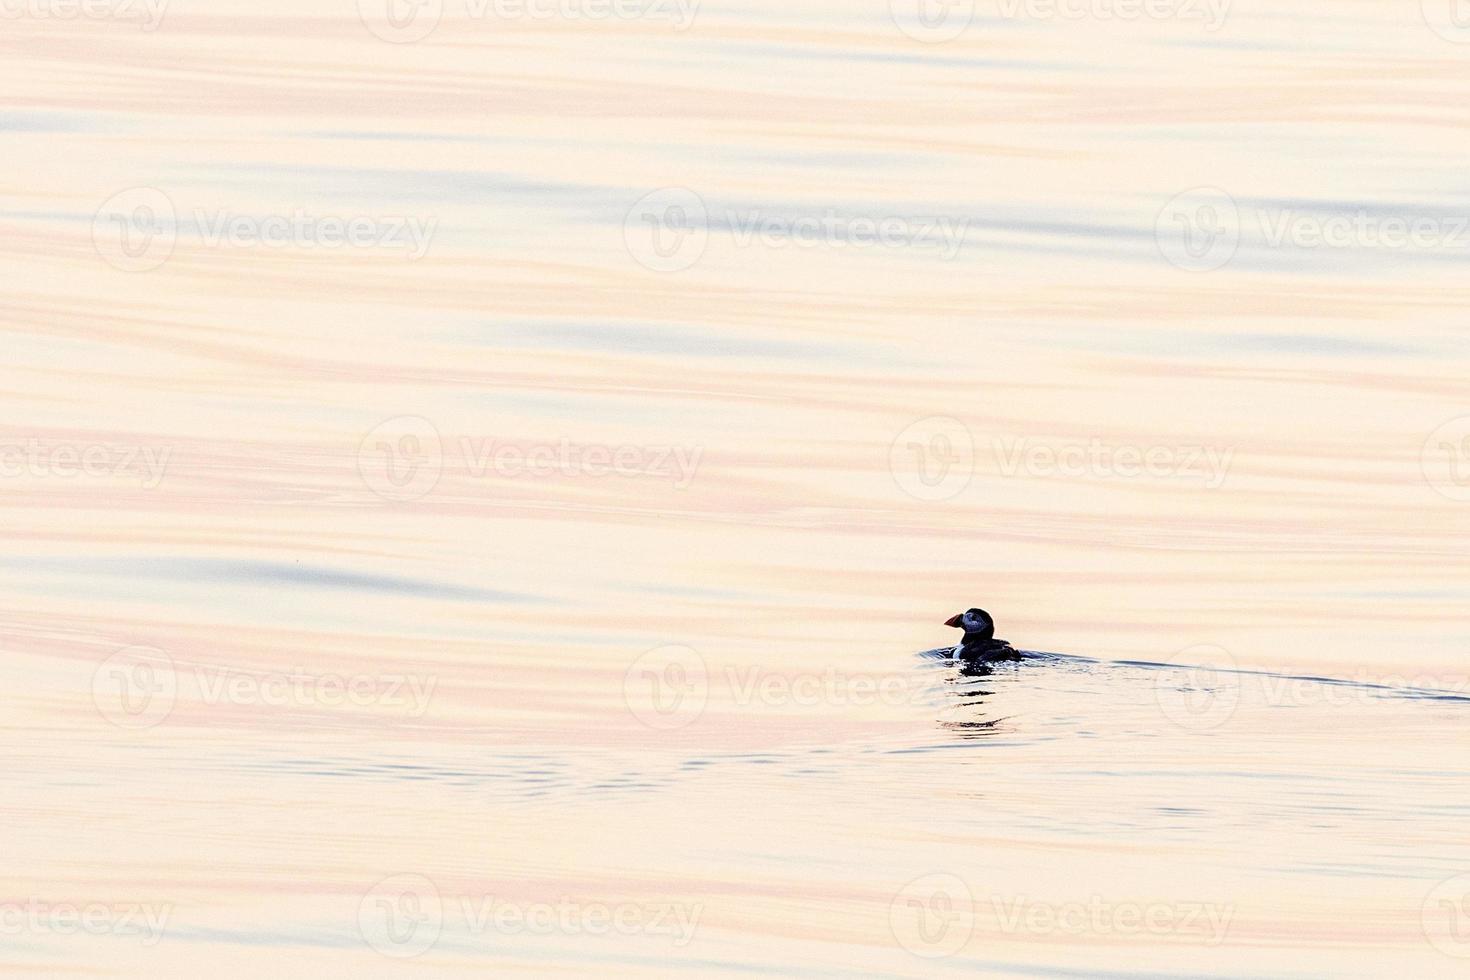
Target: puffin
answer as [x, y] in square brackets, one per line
[979, 643]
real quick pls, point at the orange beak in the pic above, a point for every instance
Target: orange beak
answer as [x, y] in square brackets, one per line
[953, 620]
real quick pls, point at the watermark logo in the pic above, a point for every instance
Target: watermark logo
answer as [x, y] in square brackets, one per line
[933, 916]
[127, 920]
[147, 14]
[1202, 229]
[1445, 459]
[400, 21]
[933, 459]
[1446, 917]
[667, 230]
[1450, 19]
[1200, 689]
[667, 688]
[401, 916]
[932, 21]
[135, 688]
[135, 230]
[139, 687]
[402, 458]
[1095, 459]
[1198, 230]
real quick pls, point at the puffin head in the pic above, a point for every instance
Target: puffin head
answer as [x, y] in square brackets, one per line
[976, 623]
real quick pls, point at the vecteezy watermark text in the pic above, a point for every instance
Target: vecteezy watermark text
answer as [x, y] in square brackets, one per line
[1205, 464]
[1201, 687]
[678, 13]
[138, 688]
[404, 915]
[937, 21]
[1203, 228]
[1211, 13]
[147, 14]
[138, 229]
[755, 685]
[669, 230]
[669, 687]
[143, 921]
[935, 916]
[403, 459]
[302, 229]
[1205, 922]
[69, 460]
[829, 229]
[567, 458]
[297, 688]
[934, 459]
[407, 21]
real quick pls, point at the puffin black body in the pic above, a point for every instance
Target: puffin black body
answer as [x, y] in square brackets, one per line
[979, 644]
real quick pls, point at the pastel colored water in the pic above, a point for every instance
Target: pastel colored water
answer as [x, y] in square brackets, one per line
[476, 478]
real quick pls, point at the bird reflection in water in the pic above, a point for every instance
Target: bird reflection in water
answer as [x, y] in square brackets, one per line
[966, 705]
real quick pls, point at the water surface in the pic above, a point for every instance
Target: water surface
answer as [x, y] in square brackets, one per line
[472, 500]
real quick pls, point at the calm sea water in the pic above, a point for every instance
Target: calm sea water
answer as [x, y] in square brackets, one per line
[478, 478]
